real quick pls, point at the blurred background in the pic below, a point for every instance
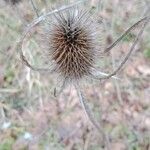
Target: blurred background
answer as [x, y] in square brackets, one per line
[32, 118]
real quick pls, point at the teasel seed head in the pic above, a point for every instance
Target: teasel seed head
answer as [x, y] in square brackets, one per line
[71, 43]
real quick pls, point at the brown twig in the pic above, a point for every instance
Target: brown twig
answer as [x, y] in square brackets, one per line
[130, 51]
[146, 21]
[90, 115]
[124, 34]
[34, 8]
[96, 74]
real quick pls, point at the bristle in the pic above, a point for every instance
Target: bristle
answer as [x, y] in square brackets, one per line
[71, 43]
[13, 2]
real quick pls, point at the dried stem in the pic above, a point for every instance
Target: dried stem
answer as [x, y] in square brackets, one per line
[96, 74]
[130, 51]
[33, 67]
[146, 21]
[34, 8]
[124, 34]
[43, 17]
[90, 115]
[116, 83]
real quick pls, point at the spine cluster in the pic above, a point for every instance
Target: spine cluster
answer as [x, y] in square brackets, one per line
[71, 43]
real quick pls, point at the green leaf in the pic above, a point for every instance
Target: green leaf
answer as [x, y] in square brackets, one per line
[147, 52]
[7, 144]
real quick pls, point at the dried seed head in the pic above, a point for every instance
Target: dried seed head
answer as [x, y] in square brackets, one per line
[13, 2]
[71, 43]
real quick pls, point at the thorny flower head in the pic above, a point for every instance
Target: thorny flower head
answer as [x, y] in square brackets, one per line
[71, 40]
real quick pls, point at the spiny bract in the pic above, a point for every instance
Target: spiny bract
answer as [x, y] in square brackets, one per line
[71, 43]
